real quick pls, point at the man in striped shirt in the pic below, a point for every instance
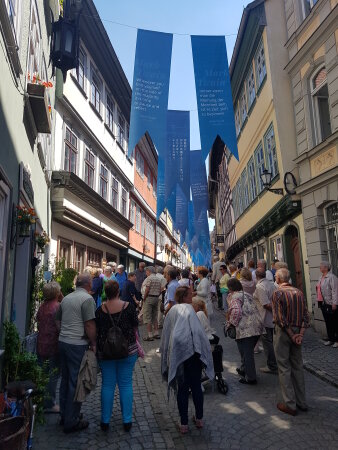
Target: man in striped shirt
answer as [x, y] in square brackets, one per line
[291, 318]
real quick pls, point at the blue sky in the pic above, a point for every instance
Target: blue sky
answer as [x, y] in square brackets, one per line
[184, 17]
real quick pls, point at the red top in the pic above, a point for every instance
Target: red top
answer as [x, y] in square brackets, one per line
[47, 342]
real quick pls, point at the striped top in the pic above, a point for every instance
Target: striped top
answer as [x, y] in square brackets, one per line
[289, 307]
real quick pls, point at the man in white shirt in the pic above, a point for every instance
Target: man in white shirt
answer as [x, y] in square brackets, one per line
[263, 296]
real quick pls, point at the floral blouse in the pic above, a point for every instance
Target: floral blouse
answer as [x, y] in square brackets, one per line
[244, 315]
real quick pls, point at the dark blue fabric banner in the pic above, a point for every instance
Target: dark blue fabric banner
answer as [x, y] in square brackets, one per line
[213, 91]
[177, 171]
[198, 182]
[149, 102]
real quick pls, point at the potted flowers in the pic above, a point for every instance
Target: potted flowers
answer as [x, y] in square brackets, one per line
[24, 218]
[42, 239]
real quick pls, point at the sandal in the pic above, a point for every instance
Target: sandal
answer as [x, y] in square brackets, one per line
[198, 422]
[184, 429]
[148, 339]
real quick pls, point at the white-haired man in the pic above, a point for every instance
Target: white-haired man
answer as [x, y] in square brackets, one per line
[76, 320]
[291, 318]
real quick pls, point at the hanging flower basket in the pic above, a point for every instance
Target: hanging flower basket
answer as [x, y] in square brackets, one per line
[25, 217]
[24, 229]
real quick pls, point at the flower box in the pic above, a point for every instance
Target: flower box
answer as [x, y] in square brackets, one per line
[39, 106]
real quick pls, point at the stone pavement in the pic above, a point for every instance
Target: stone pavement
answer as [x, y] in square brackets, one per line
[246, 418]
[320, 360]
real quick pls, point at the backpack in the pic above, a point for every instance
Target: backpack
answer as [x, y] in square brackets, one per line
[116, 344]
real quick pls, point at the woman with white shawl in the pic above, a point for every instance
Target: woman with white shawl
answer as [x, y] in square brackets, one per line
[185, 350]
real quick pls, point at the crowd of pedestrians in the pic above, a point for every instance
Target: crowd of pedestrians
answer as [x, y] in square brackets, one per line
[98, 323]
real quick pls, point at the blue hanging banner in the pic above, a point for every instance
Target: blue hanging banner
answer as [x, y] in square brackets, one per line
[149, 101]
[198, 182]
[177, 171]
[213, 91]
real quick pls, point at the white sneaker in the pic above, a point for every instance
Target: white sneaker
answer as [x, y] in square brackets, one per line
[335, 345]
[327, 343]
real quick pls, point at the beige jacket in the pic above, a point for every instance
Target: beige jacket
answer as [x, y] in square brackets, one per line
[87, 378]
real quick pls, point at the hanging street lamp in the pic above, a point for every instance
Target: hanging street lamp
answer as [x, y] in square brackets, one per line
[64, 50]
[266, 178]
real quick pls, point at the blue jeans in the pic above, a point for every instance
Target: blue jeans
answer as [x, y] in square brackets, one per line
[70, 362]
[118, 371]
[224, 300]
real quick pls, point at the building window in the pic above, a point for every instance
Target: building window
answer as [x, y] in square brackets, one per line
[331, 225]
[89, 168]
[259, 161]
[127, 137]
[245, 190]
[138, 218]
[307, 5]
[148, 178]
[143, 223]
[103, 181]
[321, 108]
[34, 43]
[244, 111]
[238, 120]
[250, 87]
[80, 254]
[260, 64]
[96, 91]
[81, 76]
[132, 213]
[139, 164]
[65, 252]
[14, 14]
[120, 130]
[115, 193]
[124, 201]
[270, 151]
[235, 196]
[110, 113]
[154, 187]
[70, 151]
[94, 258]
[252, 180]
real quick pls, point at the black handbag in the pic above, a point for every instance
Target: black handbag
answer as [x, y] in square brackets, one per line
[229, 331]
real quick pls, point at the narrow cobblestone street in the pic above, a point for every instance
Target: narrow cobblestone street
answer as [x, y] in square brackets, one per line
[246, 418]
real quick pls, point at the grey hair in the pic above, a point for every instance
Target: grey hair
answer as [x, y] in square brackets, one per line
[111, 264]
[283, 275]
[281, 265]
[326, 264]
[83, 279]
[262, 261]
[150, 269]
[51, 290]
[108, 268]
[159, 269]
